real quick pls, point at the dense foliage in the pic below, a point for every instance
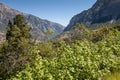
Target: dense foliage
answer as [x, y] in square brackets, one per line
[94, 58]
[16, 49]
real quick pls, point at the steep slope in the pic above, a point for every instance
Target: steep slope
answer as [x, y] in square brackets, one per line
[39, 26]
[102, 11]
[78, 32]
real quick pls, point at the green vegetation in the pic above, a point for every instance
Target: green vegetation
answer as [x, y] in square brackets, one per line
[94, 56]
[113, 76]
[49, 34]
[16, 49]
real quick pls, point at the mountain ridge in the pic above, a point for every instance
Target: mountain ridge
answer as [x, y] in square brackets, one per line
[39, 26]
[101, 12]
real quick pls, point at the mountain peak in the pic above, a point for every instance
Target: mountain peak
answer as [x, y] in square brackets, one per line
[101, 12]
[1, 3]
[3, 6]
[101, 3]
[39, 26]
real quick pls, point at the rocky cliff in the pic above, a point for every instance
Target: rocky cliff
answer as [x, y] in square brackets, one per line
[102, 11]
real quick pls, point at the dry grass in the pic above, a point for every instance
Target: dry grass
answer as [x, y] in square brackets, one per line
[113, 76]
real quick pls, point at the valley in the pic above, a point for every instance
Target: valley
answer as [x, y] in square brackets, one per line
[88, 48]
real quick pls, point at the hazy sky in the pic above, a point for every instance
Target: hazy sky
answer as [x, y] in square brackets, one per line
[60, 11]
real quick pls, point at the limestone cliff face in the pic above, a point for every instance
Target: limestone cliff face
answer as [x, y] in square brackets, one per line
[39, 26]
[101, 12]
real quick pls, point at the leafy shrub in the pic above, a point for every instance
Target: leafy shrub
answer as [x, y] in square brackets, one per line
[78, 60]
[81, 60]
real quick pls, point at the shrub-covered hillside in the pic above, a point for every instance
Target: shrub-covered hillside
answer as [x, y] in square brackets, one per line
[95, 57]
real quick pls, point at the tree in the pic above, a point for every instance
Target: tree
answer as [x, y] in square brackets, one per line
[18, 34]
[49, 33]
[16, 48]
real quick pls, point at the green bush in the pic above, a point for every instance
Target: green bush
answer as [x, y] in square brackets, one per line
[81, 60]
[78, 60]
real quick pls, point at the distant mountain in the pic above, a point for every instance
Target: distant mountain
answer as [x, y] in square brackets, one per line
[39, 26]
[103, 11]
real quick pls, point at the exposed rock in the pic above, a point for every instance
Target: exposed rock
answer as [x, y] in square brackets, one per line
[102, 11]
[39, 26]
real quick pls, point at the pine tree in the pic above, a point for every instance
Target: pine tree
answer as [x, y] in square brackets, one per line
[16, 48]
[18, 33]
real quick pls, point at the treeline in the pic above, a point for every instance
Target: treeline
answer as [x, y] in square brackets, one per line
[81, 32]
[88, 55]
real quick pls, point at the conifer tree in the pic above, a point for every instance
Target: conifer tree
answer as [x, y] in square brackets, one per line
[18, 34]
[16, 48]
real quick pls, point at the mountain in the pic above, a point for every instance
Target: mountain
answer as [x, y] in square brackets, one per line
[78, 32]
[39, 26]
[103, 11]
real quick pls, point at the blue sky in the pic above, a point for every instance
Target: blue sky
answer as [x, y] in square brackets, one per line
[60, 11]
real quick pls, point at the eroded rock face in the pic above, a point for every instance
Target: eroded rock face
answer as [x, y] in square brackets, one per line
[39, 26]
[101, 12]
